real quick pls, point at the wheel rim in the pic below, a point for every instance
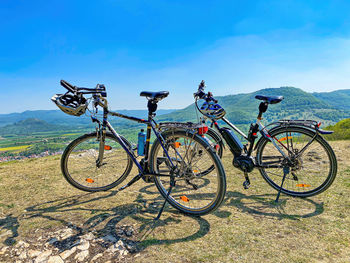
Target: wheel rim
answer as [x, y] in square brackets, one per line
[193, 190]
[309, 171]
[80, 165]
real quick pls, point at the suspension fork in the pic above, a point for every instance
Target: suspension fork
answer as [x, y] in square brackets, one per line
[101, 133]
[101, 149]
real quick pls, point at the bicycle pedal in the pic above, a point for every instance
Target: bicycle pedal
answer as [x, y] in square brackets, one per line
[246, 184]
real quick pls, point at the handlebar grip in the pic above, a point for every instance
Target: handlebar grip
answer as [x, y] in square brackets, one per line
[68, 86]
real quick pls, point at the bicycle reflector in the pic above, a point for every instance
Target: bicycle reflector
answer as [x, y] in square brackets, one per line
[184, 198]
[108, 148]
[303, 185]
[89, 180]
[285, 138]
[177, 144]
[203, 130]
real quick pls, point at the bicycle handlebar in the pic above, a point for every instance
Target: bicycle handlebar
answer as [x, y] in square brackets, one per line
[100, 88]
[68, 86]
[202, 95]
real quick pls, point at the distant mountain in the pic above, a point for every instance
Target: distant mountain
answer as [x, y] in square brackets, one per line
[340, 99]
[59, 117]
[29, 126]
[242, 109]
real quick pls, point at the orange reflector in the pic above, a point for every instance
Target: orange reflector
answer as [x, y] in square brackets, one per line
[184, 198]
[177, 144]
[89, 180]
[217, 147]
[285, 138]
[108, 148]
[303, 185]
[195, 171]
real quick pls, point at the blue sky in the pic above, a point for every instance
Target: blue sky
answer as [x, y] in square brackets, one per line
[132, 46]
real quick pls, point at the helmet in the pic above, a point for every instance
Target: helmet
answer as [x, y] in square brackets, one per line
[212, 110]
[71, 104]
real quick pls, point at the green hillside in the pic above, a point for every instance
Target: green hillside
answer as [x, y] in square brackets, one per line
[341, 130]
[30, 126]
[339, 99]
[242, 109]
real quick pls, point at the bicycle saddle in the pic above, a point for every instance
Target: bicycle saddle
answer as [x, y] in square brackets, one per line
[154, 96]
[270, 99]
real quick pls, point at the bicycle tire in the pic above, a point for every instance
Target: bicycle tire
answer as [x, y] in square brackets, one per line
[315, 169]
[91, 179]
[209, 194]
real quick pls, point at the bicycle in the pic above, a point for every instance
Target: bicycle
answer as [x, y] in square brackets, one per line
[179, 156]
[292, 156]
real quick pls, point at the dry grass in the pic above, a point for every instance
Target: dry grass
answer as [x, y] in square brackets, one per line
[248, 227]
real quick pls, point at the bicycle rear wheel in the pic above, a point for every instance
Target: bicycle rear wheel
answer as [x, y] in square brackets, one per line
[79, 163]
[313, 168]
[194, 192]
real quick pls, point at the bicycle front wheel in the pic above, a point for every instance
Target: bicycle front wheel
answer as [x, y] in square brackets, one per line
[195, 192]
[79, 163]
[313, 164]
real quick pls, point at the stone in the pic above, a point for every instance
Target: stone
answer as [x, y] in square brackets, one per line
[7, 233]
[52, 241]
[22, 244]
[23, 255]
[67, 233]
[84, 245]
[33, 253]
[88, 236]
[96, 257]
[67, 253]
[76, 243]
[110, 238]
[3, 250]
[55, 259]
[128, 233]
[118, 247]
[43, 256]
[80, 257]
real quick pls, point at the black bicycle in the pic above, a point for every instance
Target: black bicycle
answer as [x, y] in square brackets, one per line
[291, 155]
[185, 169]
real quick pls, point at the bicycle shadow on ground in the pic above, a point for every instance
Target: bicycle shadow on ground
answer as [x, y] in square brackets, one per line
[106, 221]
[10, 226]
[264, 205]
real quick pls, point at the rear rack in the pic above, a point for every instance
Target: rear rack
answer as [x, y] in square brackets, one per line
[311, 124]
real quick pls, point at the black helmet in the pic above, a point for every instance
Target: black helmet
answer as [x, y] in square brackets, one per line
[71, 104]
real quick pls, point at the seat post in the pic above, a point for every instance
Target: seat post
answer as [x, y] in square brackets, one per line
[262, 108]
[152, 107]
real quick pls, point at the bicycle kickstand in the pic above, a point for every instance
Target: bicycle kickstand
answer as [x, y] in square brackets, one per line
[285, 172]
[172, 184]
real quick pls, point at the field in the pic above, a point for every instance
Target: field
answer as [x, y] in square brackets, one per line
[15, 148]
[35, 201]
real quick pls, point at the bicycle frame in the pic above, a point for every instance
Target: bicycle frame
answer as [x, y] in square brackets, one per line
[150, 126]
[261, 128]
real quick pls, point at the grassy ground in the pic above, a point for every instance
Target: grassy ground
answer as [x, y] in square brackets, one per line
[248, 227]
